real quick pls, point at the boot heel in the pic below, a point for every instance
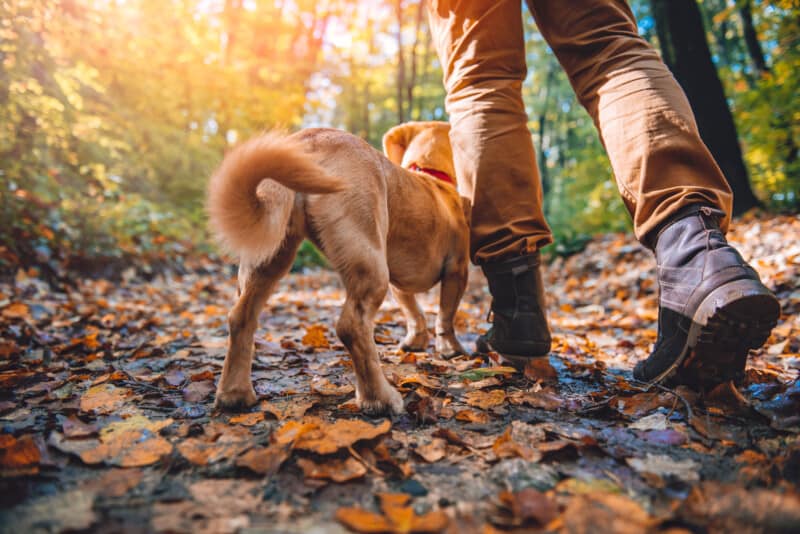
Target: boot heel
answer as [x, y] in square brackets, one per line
[732, 320]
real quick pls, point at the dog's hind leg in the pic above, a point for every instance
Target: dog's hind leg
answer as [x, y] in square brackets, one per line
[366, 283]
[452, 288]
[416, 339]
[235, 389]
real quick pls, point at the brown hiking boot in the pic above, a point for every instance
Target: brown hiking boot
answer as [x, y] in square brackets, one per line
[713, 307]
[519, 329]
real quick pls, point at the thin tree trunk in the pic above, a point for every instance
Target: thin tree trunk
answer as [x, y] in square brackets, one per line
[751, 38]
[412, 80]
[685, 50]
[401, 65]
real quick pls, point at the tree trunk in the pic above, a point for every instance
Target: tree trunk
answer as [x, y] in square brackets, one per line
[685, 50]
[401, 64]
[412, 80]
[751, 38]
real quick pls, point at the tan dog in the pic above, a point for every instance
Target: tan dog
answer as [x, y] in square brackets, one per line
[376, 222]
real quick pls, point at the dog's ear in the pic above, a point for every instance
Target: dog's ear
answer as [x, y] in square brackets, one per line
[396, 140]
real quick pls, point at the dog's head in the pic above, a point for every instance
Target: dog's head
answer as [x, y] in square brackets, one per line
[423, 145]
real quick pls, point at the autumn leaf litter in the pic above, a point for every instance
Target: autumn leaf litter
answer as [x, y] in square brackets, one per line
[106, 416]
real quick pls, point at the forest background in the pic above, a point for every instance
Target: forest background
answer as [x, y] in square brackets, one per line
[113, 113]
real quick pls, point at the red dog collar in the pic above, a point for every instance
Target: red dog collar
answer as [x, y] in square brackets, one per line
[443, 176]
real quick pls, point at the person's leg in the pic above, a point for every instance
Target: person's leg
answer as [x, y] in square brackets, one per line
[481, 47]
[644, 119]
[712, 305]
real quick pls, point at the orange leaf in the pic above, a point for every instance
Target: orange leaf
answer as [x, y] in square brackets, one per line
[16, 310]
[247, 419]
[334, 469]
[328, 438]
[19, 453]
[315, 337]
[265, 460]
[104, 398]
[360, 520]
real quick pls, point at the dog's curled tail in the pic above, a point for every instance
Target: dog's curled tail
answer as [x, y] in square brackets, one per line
[249, 205]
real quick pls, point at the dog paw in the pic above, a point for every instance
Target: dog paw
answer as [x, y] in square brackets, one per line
[448, 346]
[390, 403]
[415, 342]
[235, 399]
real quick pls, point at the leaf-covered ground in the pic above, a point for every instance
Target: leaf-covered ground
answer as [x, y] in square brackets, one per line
[106, 418]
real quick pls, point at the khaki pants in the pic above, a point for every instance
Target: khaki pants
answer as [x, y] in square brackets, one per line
[643, 116]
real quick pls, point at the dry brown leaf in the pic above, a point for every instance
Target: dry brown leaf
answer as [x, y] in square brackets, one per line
[19, 454]
[327, 438]
[104, 398]
[128, 448]
[115, 482]
[247, 419]
[398, 517]
[315, 337]
[543, 399]
[472, 416]
[527, 507]
[265, 460]
[359, 520]
[334, 469]
[505, 447]
[16, 310]
[432, 451]
[616, 513]
[326, 388]
[485, 399]
[288, 407]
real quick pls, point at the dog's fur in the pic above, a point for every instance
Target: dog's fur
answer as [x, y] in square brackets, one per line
[378, 224]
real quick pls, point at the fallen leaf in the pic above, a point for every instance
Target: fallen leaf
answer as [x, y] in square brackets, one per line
[16, 310]
[219, 442]
[115, 482]
[472, 416]
[433, 451]
[315, 337]
[247, 419]
[654, 421]
[719, 507]
[485, 399]
[265, 460]
[104, 398]
[326, 388]
[288, 407]
[609, 511]
[663, 465]
[505, 447]
[397, 517]
[481, 373]
[334, 469]
[19, 454]
[540, 370]
[198, 391]
[527, 507]
[327, 438]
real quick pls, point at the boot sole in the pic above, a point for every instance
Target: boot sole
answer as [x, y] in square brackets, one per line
[517, 361]
[733, 319]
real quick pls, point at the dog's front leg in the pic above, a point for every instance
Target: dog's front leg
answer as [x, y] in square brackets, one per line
[453, 284]
[416, 339]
